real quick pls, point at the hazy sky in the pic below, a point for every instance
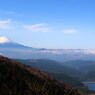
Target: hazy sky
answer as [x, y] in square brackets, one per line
[49, 23]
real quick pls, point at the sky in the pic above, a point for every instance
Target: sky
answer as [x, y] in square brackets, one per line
[53, 24]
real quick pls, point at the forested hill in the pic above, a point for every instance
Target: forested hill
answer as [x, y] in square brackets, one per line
[19, 79]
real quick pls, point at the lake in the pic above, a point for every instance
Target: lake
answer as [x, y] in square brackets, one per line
[91, 85]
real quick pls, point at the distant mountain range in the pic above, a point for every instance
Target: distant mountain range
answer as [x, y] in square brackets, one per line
[14, 50]
[84, 66]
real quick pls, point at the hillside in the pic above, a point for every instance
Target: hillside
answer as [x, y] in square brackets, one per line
[90, 76]
[85, 65]
[19, 79]
[57, 70]
[50, 66]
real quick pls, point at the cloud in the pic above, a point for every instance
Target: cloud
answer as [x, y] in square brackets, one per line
[70, 31]
[5, 24]
[37, 27]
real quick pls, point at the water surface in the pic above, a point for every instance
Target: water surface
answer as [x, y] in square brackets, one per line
[91, 86]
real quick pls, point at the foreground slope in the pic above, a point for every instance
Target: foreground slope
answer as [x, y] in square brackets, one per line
[19, 79]
[56, 69]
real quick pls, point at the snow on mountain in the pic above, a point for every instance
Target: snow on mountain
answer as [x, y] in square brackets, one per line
[8, 43]
[4, 40]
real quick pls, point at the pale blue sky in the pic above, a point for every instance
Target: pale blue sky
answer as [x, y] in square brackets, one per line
[49, 23]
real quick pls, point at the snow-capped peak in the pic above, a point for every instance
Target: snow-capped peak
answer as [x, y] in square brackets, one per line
[4, 40]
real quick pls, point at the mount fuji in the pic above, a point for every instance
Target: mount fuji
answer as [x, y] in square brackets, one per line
[8, 43]
[12, 49]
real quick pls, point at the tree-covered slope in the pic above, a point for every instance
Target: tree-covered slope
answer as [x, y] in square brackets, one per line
[19, 79]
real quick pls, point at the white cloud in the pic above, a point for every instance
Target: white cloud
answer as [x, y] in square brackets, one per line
[70, 31]
[5, 24]
[37, 28]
